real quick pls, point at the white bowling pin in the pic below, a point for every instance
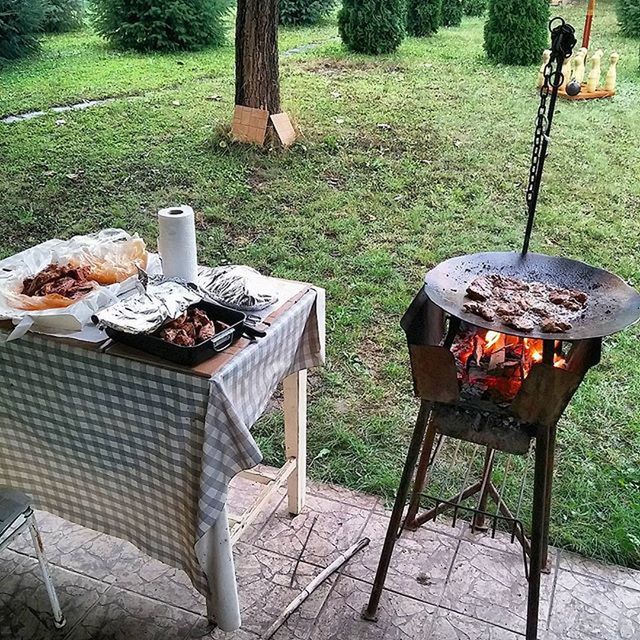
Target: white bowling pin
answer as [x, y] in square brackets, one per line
[566, 72]
[578, 70]
[546, 56]
[610, 82]
[596, 68]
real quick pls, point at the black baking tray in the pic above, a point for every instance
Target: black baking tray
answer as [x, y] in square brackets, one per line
[238, 322]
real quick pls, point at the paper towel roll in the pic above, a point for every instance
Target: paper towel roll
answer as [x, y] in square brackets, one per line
[177, 243]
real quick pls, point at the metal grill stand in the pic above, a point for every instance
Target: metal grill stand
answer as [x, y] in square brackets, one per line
[432, 323]
[484, 488]
[532, 415]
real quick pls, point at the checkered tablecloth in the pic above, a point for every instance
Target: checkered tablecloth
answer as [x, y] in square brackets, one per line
[136, 450]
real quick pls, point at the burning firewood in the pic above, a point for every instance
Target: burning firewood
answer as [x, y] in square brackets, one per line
[494, 364]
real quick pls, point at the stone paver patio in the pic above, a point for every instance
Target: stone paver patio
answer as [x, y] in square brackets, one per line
[441, 586]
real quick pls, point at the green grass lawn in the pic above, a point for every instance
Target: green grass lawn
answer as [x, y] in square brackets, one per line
[360, 209]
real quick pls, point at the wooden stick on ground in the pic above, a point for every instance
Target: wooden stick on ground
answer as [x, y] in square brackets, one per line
[314, 584]
[304, 548]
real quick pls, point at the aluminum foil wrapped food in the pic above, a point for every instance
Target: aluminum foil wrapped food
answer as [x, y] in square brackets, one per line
[148, 310]
[238, 286]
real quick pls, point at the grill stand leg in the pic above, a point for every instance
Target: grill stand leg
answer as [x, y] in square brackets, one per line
[398, 508]
[538, 529]
[547, 506]
[548, 357]
[421, 476]
[477, 524]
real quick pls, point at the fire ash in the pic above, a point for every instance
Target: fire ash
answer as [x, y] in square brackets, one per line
[494, 365]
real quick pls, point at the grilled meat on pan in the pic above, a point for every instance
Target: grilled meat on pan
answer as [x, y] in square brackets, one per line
[524, 305]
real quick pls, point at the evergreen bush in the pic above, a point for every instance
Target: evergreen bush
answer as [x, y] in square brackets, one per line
[629, 17]
[451, 13]
[19, 25]
[62, 15]
[161, 25]
[516, 31]
[296, 12]
[423, 17]
[372, 26]
[474, 8]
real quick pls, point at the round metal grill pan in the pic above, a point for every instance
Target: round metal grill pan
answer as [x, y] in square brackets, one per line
[612, 305]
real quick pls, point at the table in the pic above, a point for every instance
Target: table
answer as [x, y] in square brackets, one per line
[142, 449]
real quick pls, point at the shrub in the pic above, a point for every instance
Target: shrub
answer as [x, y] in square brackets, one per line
[423, 17]
[516, 31]
[372, 26]
[451, 13]
[295, 12]
[474, 8]
[629, 17]
[19, 24]
[62, 15]
[161, 25]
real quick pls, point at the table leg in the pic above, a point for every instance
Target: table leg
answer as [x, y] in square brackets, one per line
[58, 618]
[223, 607]
[295, 437]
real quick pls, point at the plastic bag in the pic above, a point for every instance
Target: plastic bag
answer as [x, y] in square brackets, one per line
[113, 262]
[112, 256]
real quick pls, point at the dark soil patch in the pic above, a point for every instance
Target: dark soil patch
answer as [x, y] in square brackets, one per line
[330, 67]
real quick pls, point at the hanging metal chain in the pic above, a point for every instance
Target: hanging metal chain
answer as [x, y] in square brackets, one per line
[562, 42]
[542, 128]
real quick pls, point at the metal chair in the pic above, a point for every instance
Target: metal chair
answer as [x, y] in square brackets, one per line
[16, 515]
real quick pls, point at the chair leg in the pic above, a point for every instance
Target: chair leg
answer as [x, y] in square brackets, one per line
[58, 617]
[398, 508]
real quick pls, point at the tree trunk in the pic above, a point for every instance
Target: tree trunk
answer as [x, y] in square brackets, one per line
[257, 73]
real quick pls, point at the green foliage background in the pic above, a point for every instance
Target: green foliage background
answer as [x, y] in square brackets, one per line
[451, 13]
[297, 12]
[161, 25]
[516, 31]
[423, 17]
[372, 26]
[61, 16]
[19, 25]
[629, 17]
[474, 8]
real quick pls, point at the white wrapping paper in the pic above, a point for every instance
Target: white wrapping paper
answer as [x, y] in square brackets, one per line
[15, 269]
[177, 243]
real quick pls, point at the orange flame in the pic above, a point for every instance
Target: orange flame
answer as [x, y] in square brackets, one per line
[492, 338]
[503, 351]
[534, 349]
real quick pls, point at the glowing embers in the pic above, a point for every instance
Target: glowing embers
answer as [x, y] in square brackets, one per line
[492, 365]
